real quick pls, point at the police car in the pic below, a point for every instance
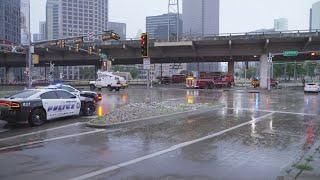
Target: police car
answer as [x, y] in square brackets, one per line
[36, 106]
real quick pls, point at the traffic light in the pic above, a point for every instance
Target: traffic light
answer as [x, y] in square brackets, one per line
[144, 42]
[62, 43]
[78, 40]
[77, 47]
[90, 50]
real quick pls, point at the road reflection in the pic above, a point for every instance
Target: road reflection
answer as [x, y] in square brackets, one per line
[110, 102]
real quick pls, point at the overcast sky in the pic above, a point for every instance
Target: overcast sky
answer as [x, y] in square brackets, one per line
[235, 15]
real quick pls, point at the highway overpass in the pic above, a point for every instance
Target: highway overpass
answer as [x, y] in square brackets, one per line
[220, 48]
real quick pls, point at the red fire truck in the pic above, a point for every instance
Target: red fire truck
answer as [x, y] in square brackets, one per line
[210, 81]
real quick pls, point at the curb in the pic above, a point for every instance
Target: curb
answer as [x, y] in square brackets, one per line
[121, 124]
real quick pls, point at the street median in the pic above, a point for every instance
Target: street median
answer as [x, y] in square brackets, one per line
[145, 113]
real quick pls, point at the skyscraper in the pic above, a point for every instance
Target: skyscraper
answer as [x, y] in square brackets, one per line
[200, 17]
[66, 18]
[25, 21]
[52, 19]
[315, 16]
[157, 26]
[43, 30]
[120, 28]
[75, 18]
[42, 35]
[10, 21]
[281, 24]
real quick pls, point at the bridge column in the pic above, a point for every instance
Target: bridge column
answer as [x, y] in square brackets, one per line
[264, 71]
[231, 67]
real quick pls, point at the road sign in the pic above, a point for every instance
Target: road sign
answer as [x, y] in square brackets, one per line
[146, 63]
[35, 59]
[90, 35]
[290, 53]
[31, 49]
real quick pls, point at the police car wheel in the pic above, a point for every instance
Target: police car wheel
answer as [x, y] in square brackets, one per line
[89, 109]
[37, 117]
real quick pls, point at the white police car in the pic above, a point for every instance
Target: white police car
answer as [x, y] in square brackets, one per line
[35, 106]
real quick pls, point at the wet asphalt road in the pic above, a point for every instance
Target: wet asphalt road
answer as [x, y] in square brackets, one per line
[247, 136]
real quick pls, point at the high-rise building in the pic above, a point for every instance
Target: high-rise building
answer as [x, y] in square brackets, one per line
[66, 18]
[157, 26]
[200, 17]
[281, 24]
[52, 19]
[315, 16]
[119, 28]
[76, 18]
[42, 35]
[25, 21]
[43, 30]
[36, 37]
[10, 21]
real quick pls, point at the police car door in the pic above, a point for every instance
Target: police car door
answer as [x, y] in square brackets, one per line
[51, 104]
[71, 104]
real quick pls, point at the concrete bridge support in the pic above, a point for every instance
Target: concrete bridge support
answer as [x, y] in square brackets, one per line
[231, 67]
[264, 71]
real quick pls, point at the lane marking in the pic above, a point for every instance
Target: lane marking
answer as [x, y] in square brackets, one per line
[51, 139]
[170, 149]
[271, 111]
[41, 131]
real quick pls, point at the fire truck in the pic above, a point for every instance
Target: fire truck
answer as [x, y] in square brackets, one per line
[210, 81]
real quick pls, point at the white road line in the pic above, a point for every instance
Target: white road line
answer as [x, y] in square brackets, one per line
[41, 131]
[172, 148]
[271, 111]
[51, 139]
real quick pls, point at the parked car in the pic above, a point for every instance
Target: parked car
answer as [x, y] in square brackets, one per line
[312, 87]
[36, 106]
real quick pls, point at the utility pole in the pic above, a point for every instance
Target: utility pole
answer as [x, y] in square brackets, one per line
[270, 59]
[173, 8]
[29, 52]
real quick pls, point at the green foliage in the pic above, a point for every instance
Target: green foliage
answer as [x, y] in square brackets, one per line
[251, 72]
[302, 69]
[303, 167]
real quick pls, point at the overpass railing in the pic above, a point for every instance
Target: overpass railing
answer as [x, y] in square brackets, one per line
[270, 33]
[195, 37]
